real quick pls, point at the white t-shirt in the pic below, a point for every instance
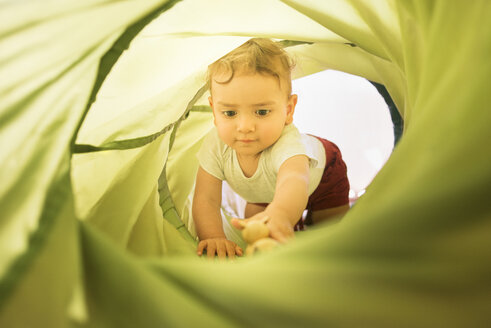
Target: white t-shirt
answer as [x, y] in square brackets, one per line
[218, 159]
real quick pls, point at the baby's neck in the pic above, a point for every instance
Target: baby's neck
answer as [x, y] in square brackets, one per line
[248, 164]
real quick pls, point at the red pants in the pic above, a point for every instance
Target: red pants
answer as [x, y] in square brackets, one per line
[333, 188]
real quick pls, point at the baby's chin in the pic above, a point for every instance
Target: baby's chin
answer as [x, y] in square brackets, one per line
[247, 151]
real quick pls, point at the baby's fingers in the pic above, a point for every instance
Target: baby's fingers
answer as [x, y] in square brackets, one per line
[201, 247]
[279, 236]
[211, 250]
[238, 223]
[230, 250]
[238, 250]
[222, 250]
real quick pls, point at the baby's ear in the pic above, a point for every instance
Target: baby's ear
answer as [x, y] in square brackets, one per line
[289, 118]
[290, 109]
[210, 101]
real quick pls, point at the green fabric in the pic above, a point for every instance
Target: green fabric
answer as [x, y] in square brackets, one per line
[84, 241]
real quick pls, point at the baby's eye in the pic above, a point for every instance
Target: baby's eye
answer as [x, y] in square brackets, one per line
[229, 113]
[262, 112]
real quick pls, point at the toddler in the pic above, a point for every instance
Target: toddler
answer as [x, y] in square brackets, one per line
[260, 153]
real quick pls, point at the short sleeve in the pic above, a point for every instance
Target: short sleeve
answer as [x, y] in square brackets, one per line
[210, 155]
[292, 143]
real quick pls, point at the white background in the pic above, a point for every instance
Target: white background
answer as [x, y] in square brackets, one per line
[350, 112]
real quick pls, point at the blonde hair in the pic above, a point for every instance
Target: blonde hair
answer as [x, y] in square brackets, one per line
[257, 55]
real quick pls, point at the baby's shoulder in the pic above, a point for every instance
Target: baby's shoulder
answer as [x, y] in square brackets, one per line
[290, 137]
[213, 141]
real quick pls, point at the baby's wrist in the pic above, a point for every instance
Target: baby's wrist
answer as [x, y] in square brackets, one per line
[278, 214]
[213, 236]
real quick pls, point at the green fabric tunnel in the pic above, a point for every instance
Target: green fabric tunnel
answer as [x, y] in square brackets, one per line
[102, 110]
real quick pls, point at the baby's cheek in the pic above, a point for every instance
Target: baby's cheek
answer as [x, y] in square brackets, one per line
[271, 135]
[225, 133]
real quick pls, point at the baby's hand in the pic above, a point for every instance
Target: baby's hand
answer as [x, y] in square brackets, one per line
[279, 227]
[221, 246]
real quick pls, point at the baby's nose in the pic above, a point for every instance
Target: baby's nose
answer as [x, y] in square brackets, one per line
[245, 124]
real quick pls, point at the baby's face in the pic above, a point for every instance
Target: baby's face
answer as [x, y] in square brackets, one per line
[250, 112]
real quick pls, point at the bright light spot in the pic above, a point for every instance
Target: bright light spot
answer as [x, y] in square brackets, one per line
[348, 111]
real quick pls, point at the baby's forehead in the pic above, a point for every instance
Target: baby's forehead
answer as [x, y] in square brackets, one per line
[224, 78]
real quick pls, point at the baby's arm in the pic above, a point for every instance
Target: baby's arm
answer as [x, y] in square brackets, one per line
[290, 198]
[206, 214]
